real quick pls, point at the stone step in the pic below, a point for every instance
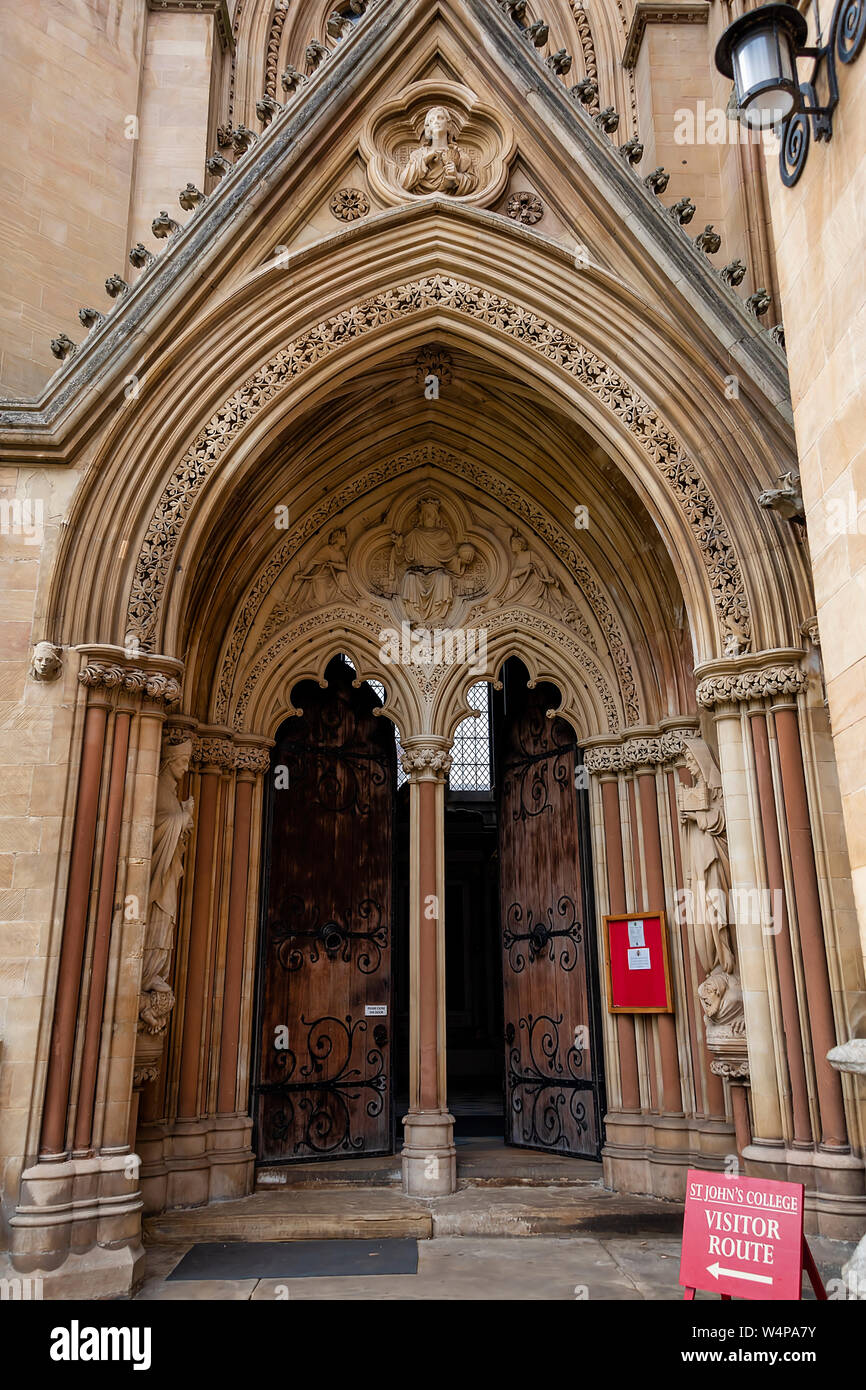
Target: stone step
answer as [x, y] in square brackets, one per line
[354, 1212]
[480, 1162]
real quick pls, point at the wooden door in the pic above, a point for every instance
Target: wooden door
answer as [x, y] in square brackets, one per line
[324, 1071]
[551, 1099]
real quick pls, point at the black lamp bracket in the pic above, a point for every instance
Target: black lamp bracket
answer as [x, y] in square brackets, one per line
[844, 41]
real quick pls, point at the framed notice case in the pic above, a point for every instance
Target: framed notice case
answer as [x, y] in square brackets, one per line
[637, 964]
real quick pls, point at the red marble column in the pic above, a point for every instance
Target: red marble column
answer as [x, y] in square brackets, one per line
[626, 1042]
[652, 849]
[781, 938]
[834, 1132]
[234, 967]
[428, 1004]
[102, 935]
[53, 1140]
[742, 1123]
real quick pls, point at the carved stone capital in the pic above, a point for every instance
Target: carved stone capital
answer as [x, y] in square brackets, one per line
[738, 679]
[211, 750]
[160, 687]
[428, 761]
[750, 683]
[252, 759]
[643, 750]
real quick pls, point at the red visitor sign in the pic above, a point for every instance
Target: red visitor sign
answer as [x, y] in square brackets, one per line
[743, 1237]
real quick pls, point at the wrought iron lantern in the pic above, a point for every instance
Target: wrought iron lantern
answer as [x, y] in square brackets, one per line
[760, 52]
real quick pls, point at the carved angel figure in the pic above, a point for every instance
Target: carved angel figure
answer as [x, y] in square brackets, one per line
[439, 165]
[172, 826]
[327, 579]
[531, 584]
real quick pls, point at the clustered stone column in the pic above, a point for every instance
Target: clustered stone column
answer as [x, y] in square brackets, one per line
[760, 706]
[194, 1135]
[79, 1205]
[429, 1156]
[662, 1093]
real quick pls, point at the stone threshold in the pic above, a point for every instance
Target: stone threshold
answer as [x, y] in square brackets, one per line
[356, 1212]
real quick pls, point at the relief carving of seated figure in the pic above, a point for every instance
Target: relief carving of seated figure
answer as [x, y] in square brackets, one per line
[439, 165]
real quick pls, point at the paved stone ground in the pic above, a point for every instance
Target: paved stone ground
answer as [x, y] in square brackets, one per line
[562, 1268]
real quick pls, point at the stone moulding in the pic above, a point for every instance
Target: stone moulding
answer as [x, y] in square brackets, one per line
[218, 8]
[650, 12]
[438, 292]
[750, 684]
[651, 750]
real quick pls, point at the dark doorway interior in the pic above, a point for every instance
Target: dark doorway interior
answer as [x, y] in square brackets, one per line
[473, 970]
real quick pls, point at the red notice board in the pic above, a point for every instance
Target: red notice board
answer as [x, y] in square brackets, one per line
[743, 1237]
[636, 964]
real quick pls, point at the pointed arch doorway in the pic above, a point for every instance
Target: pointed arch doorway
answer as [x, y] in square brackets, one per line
[334, 1006]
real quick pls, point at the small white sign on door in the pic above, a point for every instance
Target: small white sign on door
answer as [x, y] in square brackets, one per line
[639, 958]
[376, 1010]
[635, 933]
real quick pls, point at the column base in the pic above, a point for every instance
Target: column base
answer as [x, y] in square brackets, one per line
[651, 1154]
[835, 1185]
[188, 1163]
[429, 1156]
[77, 1227]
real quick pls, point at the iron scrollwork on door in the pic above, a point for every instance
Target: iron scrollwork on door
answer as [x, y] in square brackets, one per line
[542, 936]
[340, 778]
[543, 1087]
[324, 1104]
[334, 938]
[530, 777]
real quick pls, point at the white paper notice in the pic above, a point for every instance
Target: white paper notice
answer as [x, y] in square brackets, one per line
[376, 1010]
[635, 934]
[639, 958]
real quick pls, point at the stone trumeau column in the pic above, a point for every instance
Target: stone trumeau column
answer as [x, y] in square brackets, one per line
[429, 1156]
[79, 1212]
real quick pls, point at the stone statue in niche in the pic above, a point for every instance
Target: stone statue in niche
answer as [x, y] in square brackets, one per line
[707, 874]
[172, 825]
[425, 565]
[531, 585]
[439, 165]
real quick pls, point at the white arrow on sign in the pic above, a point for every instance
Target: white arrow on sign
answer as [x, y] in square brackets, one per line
[716, 1270]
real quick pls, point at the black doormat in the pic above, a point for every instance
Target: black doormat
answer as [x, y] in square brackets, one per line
[297, 1259]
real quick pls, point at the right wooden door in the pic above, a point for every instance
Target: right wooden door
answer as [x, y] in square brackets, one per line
[551, 1092]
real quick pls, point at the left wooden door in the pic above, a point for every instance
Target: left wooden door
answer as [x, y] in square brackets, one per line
[323, 1087]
